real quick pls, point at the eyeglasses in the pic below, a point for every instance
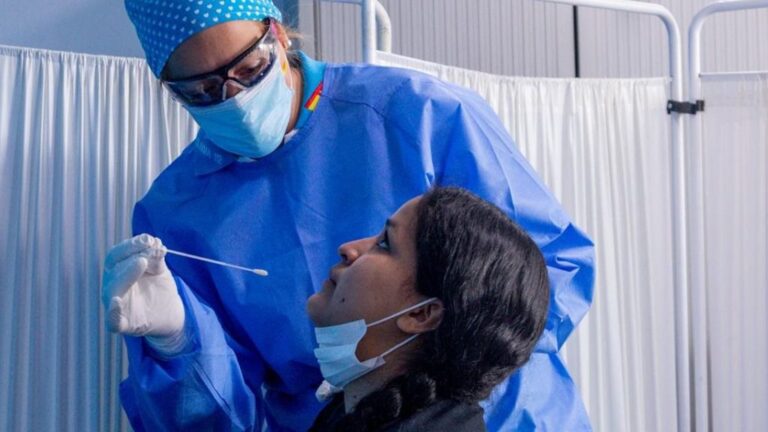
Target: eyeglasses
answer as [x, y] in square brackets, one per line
[246, 70]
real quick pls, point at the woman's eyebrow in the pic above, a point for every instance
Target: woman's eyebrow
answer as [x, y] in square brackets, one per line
[392, 227]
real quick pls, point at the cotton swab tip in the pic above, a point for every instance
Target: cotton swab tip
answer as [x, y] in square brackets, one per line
[260, 272]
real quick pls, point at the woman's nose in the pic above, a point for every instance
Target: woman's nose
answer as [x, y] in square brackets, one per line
[351, 251]
[348, 252]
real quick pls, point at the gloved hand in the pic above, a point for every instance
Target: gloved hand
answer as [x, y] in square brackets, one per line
[140, 295]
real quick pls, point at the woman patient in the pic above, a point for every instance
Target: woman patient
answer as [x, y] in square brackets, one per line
[417, 325]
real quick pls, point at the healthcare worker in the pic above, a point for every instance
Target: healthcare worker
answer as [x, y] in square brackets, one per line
[293, 158]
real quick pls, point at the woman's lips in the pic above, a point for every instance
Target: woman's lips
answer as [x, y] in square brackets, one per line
[333, 276]
[329, 284]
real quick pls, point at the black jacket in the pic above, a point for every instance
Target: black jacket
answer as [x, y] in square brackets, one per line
[441, 416]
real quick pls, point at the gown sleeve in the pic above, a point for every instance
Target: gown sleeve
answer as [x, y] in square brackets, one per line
[201, 389]
[463, 143]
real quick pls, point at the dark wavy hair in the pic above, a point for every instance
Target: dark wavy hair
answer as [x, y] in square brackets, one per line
[492, 280]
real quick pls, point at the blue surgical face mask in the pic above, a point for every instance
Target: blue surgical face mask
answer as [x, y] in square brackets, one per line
[336, 352]
[253, 122]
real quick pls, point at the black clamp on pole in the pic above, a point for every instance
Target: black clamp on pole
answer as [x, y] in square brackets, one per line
[685, 107]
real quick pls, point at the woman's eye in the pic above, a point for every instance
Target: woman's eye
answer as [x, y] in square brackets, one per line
[383, 241]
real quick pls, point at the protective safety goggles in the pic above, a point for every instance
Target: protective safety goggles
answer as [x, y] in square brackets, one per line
[246, 70]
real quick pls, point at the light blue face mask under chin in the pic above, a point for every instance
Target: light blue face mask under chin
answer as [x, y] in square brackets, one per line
[253, 122]
[336, 349]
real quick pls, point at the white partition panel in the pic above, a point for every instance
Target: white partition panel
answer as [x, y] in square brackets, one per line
[81, 138]
[603, 147]
[734, 146]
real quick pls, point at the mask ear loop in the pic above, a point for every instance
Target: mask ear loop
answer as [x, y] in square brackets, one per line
[402, 312]
[290, 74]
[398, 346]
[285, 67]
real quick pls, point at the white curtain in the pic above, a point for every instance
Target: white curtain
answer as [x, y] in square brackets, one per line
[734, 149]
[603, 147]
[81, 138]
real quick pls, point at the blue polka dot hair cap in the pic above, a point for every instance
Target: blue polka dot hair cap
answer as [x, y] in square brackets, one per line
[162, 25]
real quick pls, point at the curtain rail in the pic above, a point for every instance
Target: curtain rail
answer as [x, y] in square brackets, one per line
[694, 36]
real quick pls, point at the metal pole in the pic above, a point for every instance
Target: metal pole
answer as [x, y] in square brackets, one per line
[383, 28]
[317, 18]
[576, 47]
[368, 19]
[682, 342]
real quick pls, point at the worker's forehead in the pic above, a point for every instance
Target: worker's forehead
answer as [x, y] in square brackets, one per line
[213, 48]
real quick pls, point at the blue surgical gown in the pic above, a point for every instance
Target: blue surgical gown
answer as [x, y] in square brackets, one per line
[378, 137]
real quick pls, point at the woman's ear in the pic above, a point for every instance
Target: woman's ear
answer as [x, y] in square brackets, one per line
[423, 319]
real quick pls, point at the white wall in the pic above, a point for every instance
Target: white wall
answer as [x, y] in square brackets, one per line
[90, 26]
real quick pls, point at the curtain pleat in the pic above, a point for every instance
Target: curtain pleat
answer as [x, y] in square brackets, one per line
[81, 139]
[603, 147]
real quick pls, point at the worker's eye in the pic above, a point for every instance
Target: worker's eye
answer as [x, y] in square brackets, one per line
[383, 241]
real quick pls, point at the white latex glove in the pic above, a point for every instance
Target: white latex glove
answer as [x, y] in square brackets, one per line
[140, 295]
